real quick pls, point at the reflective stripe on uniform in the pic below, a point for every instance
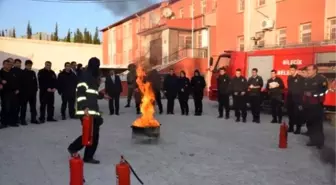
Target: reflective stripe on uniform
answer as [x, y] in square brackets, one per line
[81, 98]
[82, 84]
[92, 91]
[91, 112]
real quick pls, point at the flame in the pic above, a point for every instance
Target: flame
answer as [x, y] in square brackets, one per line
[147, 102]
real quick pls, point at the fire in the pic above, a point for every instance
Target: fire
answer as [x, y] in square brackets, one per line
[147, 102]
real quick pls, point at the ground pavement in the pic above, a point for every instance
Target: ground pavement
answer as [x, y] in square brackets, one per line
[192, 151]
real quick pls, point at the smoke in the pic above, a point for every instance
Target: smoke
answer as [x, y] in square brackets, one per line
[126, 7]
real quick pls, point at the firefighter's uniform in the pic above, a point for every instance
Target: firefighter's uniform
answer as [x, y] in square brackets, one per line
[223, 84]
[239, 90]
[315, 89]
[255, 96]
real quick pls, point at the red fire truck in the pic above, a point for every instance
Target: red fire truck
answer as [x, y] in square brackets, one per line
[279, 59]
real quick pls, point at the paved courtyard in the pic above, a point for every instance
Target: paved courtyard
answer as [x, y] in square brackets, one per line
[192, 151]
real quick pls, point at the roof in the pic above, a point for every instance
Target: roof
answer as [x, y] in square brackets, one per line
[141, 12]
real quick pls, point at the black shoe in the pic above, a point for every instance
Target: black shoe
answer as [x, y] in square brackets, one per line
[91, 161]
[257, 121]
[305, 133]
[160, 112]
[244, 120]
[126, 106]
[24, 123]
[227, 117]
[111, 113]
[274, 121]
[3, 126]
[138, 112]
[311, 144]
[297, 131]
[51, 120]
[187, 114]
[182, 113]
[290, 129]
[220, 116]
[72, 117]
[14, 125]
[63, 118]
[117, 113]
[279, 121]
[34, 121]
[237, 120]
[42, 120]
[253, 120]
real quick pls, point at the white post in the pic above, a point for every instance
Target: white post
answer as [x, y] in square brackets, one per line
[192, 28]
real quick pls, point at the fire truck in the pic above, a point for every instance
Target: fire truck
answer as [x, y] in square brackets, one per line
[324, 56]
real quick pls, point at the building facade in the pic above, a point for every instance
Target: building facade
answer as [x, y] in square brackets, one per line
[173, 30]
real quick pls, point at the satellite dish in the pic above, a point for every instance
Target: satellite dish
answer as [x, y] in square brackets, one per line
[167, 12]
[154, 19]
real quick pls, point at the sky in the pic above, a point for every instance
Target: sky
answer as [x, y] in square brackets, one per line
[44, 15]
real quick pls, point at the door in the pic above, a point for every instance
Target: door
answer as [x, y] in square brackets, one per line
[155, 49]
[264, 64]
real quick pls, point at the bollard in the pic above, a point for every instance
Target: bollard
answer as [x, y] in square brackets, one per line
[283, 135]
[76, 170]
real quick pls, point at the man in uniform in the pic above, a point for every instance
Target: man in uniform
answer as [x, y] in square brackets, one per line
[255, 83]
[67, 81]
[223, 84]
[294, 100]
[170, 87]
[239, 88]
[315, 88]
[275, 87]
[47, 84]
[73, 67]
[28, 91]
[87, 105]
[17, 71]
[155, 80]
[198, 84]
[131, 83]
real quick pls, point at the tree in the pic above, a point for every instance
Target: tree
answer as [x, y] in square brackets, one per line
[68, 37]
[78, 36]
[96, 37]
[2, 33]
[29, 31]
[14, 34]
[40, 36]
[55, 37]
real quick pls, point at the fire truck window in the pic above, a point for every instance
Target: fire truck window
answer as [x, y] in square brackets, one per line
[326, 65]
[223, 62]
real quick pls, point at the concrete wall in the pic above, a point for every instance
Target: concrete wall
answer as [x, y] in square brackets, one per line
[40, 51]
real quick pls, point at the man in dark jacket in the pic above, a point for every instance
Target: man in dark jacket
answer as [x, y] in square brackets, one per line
[170, 88]
[9, 96]
[294, 101]
[131, 83]
[239, 90]
[28, 91]
[87, 105]
[17, 71]
[155, 80]
[255, 83]
[66, 86]
[197, 86]
[183, 93]
[223, 82]
[113, 88]
[47, 84]
[275, 87]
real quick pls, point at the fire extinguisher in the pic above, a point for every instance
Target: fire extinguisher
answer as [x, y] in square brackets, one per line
[123, 172]
[87, 131]
[283, 134]
[76, 170]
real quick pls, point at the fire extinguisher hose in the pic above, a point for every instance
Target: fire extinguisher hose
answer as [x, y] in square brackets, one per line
[134, 173]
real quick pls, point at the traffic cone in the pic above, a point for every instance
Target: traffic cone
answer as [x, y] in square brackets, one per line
[283, 135]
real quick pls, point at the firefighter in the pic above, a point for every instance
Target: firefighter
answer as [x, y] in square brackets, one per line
[303, 74]
[275, 87]
[47, 84]
[239, 89]
[87, 105]
[28, 91]
[223, 84]
[255, 83]
[170, 88]
[66, 86]
[315, 88]
[155, 80]
[197, 85]
[294, 100]
[113, 88]
[183, 93]
[131, 83]
[9, 96]
[17, 71]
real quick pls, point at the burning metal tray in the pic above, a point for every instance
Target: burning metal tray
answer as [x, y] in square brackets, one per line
[152, 132]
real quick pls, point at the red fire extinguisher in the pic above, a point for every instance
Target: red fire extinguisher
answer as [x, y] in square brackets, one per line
[76, 170]
[87, 131]
[283, 135]
[123, 172]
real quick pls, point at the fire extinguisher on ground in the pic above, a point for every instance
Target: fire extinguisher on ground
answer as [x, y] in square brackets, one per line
[283, 135]
[123, 173]
[87, 130]
[76, 170]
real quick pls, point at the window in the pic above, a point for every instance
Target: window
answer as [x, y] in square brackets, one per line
[185, 41]
[241, 43]
[188, 42]
[261, 2]
[181, 41]
[203, 6]
[181, 13]
[281, 36]
[199, 39]
[192, 11]
[305, 33]
[332, 28]
[214, 5]
[241, 5]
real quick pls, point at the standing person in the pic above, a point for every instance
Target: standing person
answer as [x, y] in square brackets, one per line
[113, 88]
[315, 88]
[223, 84]
[17, 71]
[303, 74]
[294, 102]
[170, 89]
[79, 69]
[155, 80]
[255, 83]
[87, 105]
[9, 96]
[66, 86]
[47, 84]
[73, 67]
[183, 93]
[131, 83]
[239, 88]
[197, 86]
[275, 87]
[28, 91]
